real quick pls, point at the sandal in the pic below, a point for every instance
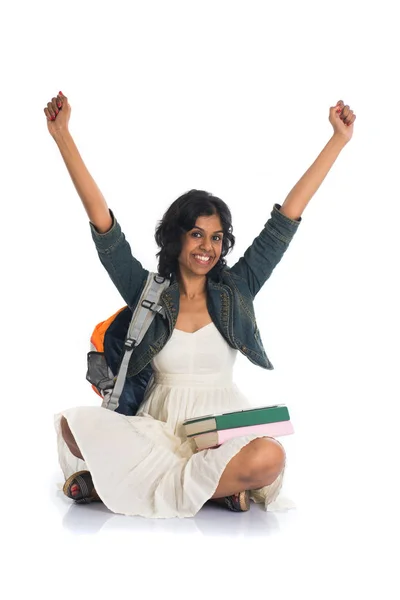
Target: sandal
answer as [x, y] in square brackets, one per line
[84, 491]
[237, 502]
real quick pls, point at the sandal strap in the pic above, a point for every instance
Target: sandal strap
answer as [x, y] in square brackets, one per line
[85, 484]
[238, 502]
[83, 480]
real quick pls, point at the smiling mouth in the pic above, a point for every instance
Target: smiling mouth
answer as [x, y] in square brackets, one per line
[204, 261]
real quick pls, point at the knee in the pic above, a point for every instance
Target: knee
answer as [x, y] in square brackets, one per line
[267, 460]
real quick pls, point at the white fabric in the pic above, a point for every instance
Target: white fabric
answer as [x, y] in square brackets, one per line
[144, 465]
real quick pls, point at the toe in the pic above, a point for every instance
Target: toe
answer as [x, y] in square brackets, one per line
[75, 490]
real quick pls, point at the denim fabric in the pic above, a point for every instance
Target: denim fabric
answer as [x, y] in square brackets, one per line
[230, 294]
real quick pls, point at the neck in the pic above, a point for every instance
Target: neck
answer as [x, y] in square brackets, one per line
[192, 287]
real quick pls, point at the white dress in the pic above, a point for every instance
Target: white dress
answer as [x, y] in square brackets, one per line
[144, 465]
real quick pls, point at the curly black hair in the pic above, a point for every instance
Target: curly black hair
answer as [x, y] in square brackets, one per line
[180, 218]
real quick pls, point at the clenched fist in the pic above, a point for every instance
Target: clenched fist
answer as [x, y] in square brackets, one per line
[58, 112]
[342, 119]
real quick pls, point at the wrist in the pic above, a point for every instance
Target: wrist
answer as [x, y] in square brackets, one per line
[340, 140]
[61, 135]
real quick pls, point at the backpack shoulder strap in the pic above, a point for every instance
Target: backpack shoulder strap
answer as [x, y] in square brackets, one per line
[146, 308]
[142, 317]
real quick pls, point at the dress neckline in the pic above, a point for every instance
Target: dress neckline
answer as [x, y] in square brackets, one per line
[194, 332]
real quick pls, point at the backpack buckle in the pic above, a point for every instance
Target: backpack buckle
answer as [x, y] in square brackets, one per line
[159, 279]
[147, 304]
[151, 305]
[129, 344]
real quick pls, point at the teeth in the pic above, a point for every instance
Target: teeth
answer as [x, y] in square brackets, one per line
[202, 258]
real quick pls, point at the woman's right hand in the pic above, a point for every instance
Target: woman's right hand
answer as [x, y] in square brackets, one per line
[58, 112]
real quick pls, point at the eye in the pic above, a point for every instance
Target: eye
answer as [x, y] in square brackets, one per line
[217, 238]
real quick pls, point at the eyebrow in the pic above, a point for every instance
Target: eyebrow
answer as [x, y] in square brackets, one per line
[201, 229]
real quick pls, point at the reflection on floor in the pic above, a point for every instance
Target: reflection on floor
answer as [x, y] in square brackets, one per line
[211, 520]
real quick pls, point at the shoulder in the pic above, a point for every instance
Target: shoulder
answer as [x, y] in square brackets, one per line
[234, 280]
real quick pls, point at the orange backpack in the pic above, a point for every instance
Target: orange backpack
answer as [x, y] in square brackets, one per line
[112, 343]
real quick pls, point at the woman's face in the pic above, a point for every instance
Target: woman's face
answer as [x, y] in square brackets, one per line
[201, 246]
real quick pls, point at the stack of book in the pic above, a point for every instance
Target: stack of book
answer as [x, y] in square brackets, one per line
[213, 430]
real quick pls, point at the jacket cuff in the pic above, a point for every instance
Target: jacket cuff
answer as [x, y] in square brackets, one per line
[283, 226]
[105, 241]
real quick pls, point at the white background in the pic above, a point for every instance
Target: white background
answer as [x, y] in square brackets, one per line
[234, 98]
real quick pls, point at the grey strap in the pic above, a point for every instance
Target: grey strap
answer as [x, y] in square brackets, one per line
[141, 321]
[142, 318]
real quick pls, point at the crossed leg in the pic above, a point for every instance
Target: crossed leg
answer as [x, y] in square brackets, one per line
[258, 464]
[69, 439]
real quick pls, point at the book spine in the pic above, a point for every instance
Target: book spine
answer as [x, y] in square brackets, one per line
[243, 419]
[266, 429]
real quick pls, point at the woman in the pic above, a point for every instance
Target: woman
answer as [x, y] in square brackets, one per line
[143, 464]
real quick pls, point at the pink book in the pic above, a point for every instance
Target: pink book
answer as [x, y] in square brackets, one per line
[218, 437]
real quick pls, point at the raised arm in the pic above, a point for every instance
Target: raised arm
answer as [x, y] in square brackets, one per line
[58, 112]
[125, 271]
[341, 119]
[260, 259]
[266, 251]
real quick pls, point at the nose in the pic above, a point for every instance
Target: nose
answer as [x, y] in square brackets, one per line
[206, 246]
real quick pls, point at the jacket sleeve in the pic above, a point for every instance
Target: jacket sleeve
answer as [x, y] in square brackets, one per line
[125, 271]
[260, 259]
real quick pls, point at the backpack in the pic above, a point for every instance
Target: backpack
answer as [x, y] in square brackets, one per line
[112, 343]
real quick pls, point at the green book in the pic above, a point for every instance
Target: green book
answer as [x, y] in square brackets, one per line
[238, 418]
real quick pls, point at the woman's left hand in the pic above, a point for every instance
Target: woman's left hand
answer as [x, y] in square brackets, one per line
[342, 118]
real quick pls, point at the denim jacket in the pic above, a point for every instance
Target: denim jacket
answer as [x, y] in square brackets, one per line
[230, 292]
